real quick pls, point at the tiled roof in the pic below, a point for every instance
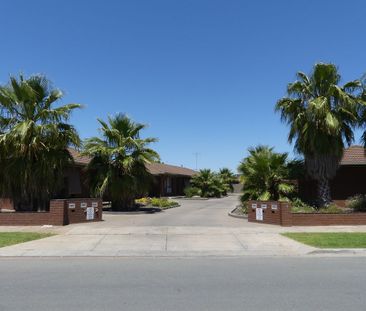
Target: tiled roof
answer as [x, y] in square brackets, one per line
[165, 169]
[78, 158]
[153, 168]
[354, 155]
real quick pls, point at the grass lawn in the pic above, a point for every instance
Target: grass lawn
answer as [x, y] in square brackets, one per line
[10, 238]
[330, 239]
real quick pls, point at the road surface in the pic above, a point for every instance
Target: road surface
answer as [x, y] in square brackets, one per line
[211, 284]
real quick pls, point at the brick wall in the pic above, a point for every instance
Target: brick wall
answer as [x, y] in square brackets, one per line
[276, 213]
[299, 219]
[283, 216]
[6, 204]
[58, 215]
[75, 213]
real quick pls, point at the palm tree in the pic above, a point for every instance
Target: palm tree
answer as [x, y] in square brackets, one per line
[118, 166]
[362, 110]
[321, 115]
[34, 136]
[264, 175]
[209, 183]
[228, 178]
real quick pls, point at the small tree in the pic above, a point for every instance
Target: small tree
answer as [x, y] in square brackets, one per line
[227, 178]
[264, 174]
[208, 183]
[118, 166]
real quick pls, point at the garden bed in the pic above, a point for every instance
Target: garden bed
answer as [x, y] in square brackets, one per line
[239, 212]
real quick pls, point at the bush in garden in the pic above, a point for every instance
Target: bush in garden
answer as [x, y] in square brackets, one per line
[192, 191]
[357, 203]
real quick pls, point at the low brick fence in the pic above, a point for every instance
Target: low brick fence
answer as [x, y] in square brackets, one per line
[62, 212]
[279, 213]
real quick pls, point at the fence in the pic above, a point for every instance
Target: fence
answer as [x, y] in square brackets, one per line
[61, 212]
[279, 213]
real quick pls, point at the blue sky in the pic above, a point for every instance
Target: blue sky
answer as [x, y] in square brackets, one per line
[204, 75]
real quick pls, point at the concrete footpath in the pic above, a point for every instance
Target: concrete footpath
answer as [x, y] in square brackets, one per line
[159, 241]
[80, 241]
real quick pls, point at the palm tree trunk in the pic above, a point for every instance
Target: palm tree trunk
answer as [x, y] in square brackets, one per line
[324, 192]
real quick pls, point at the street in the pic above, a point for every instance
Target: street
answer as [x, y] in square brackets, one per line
[37, 284]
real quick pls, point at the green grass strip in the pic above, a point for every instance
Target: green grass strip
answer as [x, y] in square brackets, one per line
[330, 239]
[11, 238]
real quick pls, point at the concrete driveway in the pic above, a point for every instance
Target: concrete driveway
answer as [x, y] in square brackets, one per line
[196, 228]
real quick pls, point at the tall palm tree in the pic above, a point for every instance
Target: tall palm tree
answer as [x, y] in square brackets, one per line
[34, 136]
[118, 166]
[321, 115]
[264, 175]
[362, 110]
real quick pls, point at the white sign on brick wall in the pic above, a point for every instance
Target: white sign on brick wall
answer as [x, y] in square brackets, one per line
[90, 213]
[259, 214]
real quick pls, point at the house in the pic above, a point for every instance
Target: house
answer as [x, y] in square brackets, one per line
[169, 180]
[349, 180]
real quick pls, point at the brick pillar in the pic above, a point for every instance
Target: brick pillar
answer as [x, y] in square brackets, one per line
[57, 212]
[285, 214]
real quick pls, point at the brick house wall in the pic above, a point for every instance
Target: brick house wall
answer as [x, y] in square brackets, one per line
[349, 181]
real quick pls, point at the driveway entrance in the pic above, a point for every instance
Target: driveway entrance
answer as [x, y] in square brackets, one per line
[201, 213]
[196, 228]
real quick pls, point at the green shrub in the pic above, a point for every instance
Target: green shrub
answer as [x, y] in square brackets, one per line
[357, 203]
[299, 206]
[143, 201]
[163, 203]
[331, 209]
[192, 191]
[244, 207]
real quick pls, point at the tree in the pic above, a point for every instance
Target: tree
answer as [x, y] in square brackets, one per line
[118, 166]
[209, 183]
[321, 115]
[362, 110]
[264, 175]
[227, 178]
[34, 136]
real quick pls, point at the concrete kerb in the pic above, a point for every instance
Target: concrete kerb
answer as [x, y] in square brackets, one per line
[232, 214]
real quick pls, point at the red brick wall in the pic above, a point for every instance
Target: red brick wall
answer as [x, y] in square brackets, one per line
[279, 216]
[328, 219]
[284, 217]
[59, 214]
[6, 204]
[78, 214]
[54, 217]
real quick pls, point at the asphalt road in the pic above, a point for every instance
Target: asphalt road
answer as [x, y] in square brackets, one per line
[183, 284]
[213, 212]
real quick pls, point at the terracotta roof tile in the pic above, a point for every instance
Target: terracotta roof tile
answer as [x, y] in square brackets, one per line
[166, 169]
[354, 155]
[153, 168]
[78, 158]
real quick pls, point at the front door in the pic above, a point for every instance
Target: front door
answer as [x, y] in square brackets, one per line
[168, 185]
